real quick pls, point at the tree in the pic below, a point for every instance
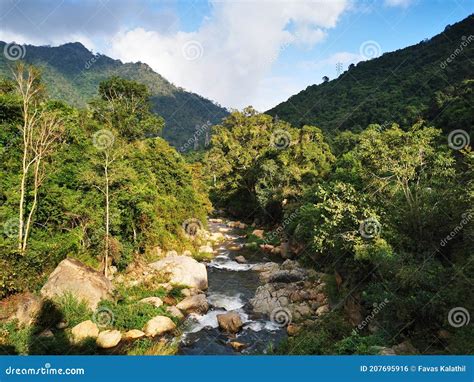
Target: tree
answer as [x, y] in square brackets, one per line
[40, 130]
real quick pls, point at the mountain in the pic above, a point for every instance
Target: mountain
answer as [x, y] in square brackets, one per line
[432, 80]
[72, 73]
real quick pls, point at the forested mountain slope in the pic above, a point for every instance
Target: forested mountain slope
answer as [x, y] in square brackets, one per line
[72, 73]
[428, 80]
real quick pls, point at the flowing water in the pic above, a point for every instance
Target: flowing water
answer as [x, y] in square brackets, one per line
[231, 286]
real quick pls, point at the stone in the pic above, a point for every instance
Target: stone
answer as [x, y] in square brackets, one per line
[284, 276]
[83, 282]
[183, 270]
[158, 326]
[230, 322]
[444, 334]
[240, 259]
[169, 300]
[242, 226]
[108, 339]
[86, 329]
[187, 252]
[284, 250]
[258, 232]
[267, 247]
[386, 351]
[194, 304]
[205, 249]
[22, 307]
[61, 325]
[133, 334]
[155, 301]
[322, 310]
[292, 329]
[47, 333]
[237, 346]
[172, 253]
[405, 347]
[175, 312]
[235, 248]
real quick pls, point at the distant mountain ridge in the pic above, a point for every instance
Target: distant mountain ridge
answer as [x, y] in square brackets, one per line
[432, 80]
[72, 73]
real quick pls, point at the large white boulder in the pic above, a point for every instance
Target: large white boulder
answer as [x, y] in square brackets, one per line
[194, 304]
[83, 282]
[158, 325]
[183, 270]
[86, 329]
[108, 339]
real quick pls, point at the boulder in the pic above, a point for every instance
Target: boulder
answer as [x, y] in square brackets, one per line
[183, 270]
[405, 347]
[258, 232]
[230, 322]
[292, 329]
[194, 304]
[158, 326]
[155, 301]
[108, 339]
[83, 282]
[205, 249]
[284, 276]
[175, 312]
[169, 300]
[241, 259]
[86, 329]
[22, 307]
[242, 226]
[322, 310]
[237, 346]
[133, 334]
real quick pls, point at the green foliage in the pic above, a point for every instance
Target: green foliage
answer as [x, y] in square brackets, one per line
[152, 190]
[258, 163]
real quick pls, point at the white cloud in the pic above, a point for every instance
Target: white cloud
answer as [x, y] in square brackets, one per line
[234, 49]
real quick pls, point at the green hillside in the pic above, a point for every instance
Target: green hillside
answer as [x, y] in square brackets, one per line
[403, 86]
[72, 73]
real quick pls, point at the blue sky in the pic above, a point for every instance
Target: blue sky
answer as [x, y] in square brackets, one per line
[237, 53]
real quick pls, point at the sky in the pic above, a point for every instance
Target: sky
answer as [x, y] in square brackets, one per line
[237, 52]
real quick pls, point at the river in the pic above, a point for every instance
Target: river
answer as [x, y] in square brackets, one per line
[231, 286]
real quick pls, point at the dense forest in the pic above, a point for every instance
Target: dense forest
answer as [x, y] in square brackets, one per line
[429, 81]
[72, 73]
[378, 205]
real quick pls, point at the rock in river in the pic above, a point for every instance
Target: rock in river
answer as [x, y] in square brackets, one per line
[230, 322]
[194, 304]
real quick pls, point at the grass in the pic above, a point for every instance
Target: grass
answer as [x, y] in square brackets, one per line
[148, 346]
